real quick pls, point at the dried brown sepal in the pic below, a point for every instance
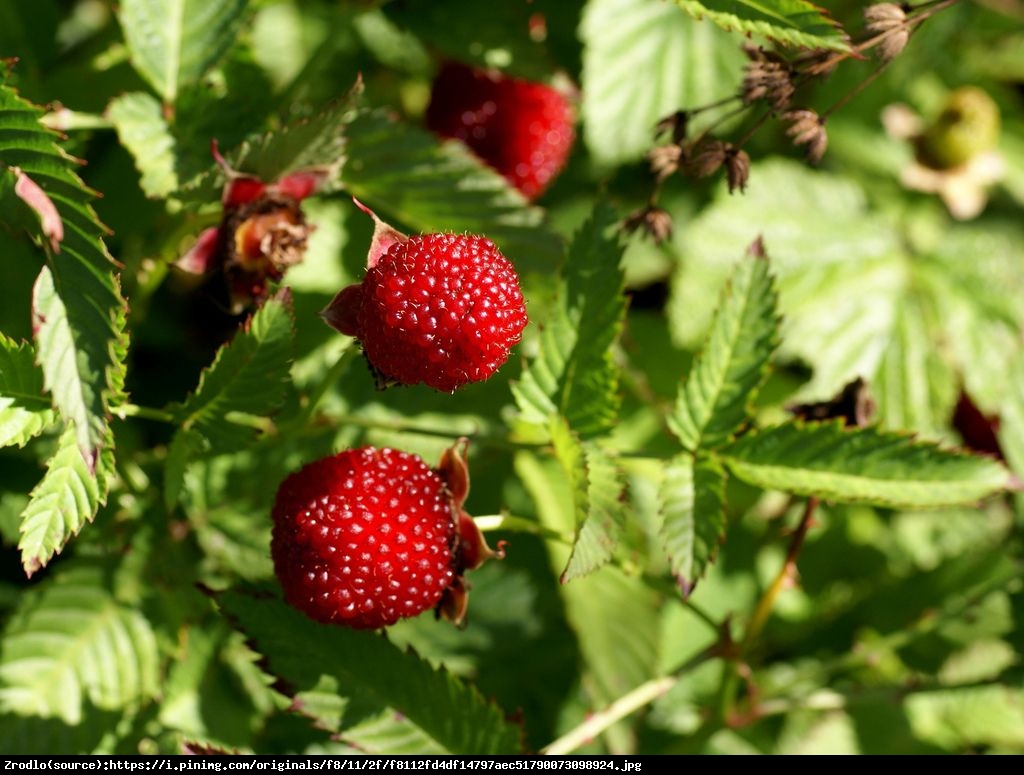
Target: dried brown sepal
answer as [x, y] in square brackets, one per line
[767, 77]
[653, 221]
[675, 126]
[737, 169]
[888, 21]
[470, 549]
[707, 157]
[807, 128]
[665, 160]
[853, 405]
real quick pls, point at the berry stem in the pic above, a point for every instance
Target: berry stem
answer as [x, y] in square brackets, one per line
[124, 411]
[785, 577]
[598, 722]
[520, 525]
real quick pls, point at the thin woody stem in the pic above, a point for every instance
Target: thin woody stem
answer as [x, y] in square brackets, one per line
[786, 574]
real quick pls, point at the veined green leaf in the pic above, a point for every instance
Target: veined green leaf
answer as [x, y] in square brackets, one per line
[862, 465]
[78, 308]
[316, 142]
[64, 501]
[24, 409]
[644, 60]
[69, 644]
[597, 486]
[693, 515]
[354, 675]
[431, 186]
[914, 387]
[793, 22]
[714, 400]
[173, 43]
[574, 374]
[139, 120]
[248, 376]
[616, 619]
[1011, 425]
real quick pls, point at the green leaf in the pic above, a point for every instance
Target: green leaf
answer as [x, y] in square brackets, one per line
[71, 381]
[693, 515]
[248, 376]
[173, 43]
[184, 446]
[574, 374]
[431, 186]
[644, 60]
[64, 501]
[70, 644]
[78, 308]
[139, 120]
[862, 465]
[616, 619]
[317, 142]
[24, 409]
[597, 486]
[344, 677]
[792, 22]
[914, 386]
[716, 397]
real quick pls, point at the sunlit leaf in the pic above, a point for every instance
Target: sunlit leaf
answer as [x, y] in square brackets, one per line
[574, 374]
[793, 22]
[174, 42]
[715, 398]
[693, 515]
[644, 60]
[140, 123]
[862, 465]
[62, 503]
[24, 409]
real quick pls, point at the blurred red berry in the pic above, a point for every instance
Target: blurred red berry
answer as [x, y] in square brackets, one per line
[522, 129]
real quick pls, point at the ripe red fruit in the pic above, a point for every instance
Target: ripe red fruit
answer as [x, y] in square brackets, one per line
[370, 536]
[522, 129]
[441, 309]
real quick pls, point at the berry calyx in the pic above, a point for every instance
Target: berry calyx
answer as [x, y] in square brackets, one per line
[439, 309]
[522, 129]
[370, 536]
[262, 232]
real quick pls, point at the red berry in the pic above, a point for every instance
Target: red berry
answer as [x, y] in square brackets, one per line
[364, 538]
[370, 536]
[441, 309]
[522, 129]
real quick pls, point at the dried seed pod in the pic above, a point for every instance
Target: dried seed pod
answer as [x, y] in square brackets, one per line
[737, 169]
[653, 221]
[807, 128]
[706, 157]
[889, 21]
[768, 77]
[676, 125]
[665, 160]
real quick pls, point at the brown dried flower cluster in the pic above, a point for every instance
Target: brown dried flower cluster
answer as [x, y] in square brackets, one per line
[807, 128]
[888, 21]
[767, 77]
[653, 221]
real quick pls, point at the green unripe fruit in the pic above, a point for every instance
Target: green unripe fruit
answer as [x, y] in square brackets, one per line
[967, 126]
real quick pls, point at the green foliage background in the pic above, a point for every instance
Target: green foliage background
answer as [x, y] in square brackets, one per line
[637, 453]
